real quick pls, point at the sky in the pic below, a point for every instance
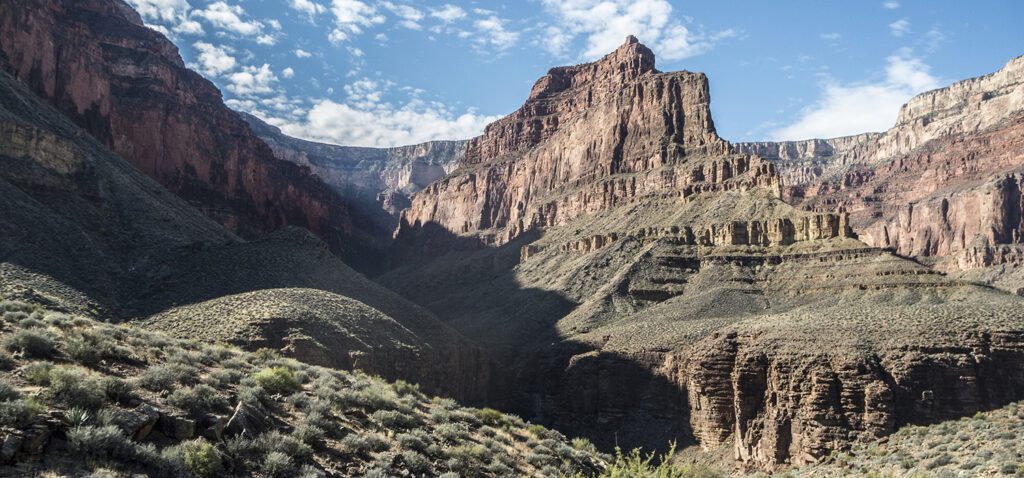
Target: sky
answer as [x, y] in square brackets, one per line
[395, 72]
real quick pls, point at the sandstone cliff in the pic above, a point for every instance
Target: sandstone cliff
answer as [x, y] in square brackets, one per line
[126, 85]
[588, 138]
[944, 182]
[375, 179]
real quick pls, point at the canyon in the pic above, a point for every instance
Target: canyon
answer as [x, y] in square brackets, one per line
[600, 261]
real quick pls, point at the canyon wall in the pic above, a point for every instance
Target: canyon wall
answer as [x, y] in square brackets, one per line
[589, 137]
[943, 182]
[127, 85]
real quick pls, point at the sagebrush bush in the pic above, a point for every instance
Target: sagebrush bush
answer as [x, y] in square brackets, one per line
[164, 377]
[20, 413]
[277, 380]
[7, 391]
[32, 343]
[198, 400]
[72, 385]
[277, 465]
[201, 458]
[394, 420]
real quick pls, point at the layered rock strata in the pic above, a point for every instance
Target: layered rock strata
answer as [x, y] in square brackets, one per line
[589, 137]
[127, 86]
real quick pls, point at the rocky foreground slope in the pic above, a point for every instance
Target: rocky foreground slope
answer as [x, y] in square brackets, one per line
[82, 230]
[645, 280]
[78, 396]
[942, 185]
[126, 85]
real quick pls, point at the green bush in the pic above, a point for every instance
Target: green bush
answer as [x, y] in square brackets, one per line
[492, 417]
[37, 373]
[164, 377]
[415, 462]
[198, 400]
[72, 385]
[277, 465]
[393, 420]
[201, 458]
[32, 343]
[637, 465]
[20, 413]
[277, 380]
[7, 391]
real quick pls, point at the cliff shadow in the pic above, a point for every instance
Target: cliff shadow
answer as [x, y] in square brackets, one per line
[610, 398]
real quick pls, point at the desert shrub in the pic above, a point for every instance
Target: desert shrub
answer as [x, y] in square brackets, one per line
[311, 435]
[363, 445]
[251, 394]
[537, 430]
[107, 442]
[584, 445]
[7, 391]
[416, 440]
[277, 380]
[466, 459]
[77, 417]
[201, 458]
[20, 413]
[403, 388]
[6, 361]
[636, 464]
[372, 398]
[492, 417]
[415, 462]
[32, 343]
[391, 419]
[31, 323]
[941, 460]
[324, 420]
[198, 400]
[75, 386]
[222, 378]
[163, 377]
[116, 388]
[451, 432]
[289, 445]
[277, 465]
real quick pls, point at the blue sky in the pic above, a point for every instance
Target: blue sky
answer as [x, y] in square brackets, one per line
[392, 72]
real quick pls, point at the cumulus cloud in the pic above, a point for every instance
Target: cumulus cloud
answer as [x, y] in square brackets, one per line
[252, 81]
[448, 13]
[309, 8]
[229, 18]
[891, 4]
[174, 13]
[366, 117]
[606, 23]
[288, 72]
[862, 107]
[409, 17]
[491, 32]
[214, 60]
[300, 53]
[899, 27]
[350, 17]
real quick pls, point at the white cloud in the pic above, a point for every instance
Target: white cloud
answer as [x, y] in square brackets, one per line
[410, 17]
[174, 13]
[606, 23]
[300, 53]
[448, 13]
[862, 107]
[229, 18]
[252, 81]
[366, 118]
[891, 4]
[899, 27]
[310, 8]
[288, 72]
[350, 17]
[491, 32]
[831, 36]
[214, 60]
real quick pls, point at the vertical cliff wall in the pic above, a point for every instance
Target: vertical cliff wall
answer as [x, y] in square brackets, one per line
[126, 85]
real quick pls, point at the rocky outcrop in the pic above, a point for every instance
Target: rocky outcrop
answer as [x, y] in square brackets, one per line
[127, 86]
[773, 232]
[589, 138]
[944, 180]
[381, 178]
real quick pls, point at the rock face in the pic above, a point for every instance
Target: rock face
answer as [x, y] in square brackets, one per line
[644, 281]
[127, 86]
[944, 182]
[588, 138]
[378, 179]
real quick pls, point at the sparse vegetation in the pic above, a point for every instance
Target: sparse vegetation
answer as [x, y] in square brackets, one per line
[121, 406]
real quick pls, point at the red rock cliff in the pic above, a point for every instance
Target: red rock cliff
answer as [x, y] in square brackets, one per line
[588, 138]
[127, 86]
